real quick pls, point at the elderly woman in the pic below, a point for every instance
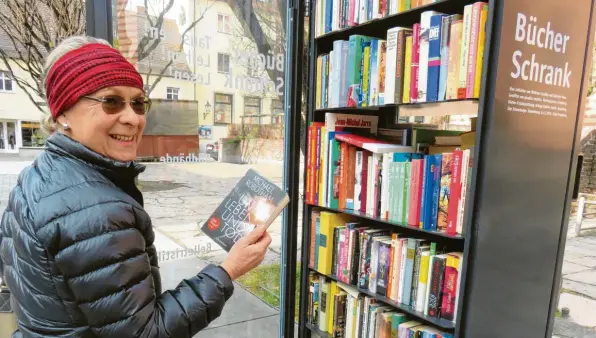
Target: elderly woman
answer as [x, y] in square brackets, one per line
[76, 245]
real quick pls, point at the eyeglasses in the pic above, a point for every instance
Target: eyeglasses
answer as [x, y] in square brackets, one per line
[114, 104]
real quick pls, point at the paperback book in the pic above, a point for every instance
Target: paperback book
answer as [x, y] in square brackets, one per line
[254, 201]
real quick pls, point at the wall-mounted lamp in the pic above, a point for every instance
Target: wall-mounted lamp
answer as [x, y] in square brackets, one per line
[207, 110]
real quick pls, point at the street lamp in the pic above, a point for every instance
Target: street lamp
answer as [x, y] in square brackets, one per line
[207, 110]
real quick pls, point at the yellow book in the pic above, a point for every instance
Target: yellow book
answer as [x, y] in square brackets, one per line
[333, 290]
[319, 81]
[328, 221]
[480, 53]
[365, 76]
[322, 167]
[407, 70]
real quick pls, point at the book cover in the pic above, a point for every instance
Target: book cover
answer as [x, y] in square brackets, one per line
[434, 57]
[455, 34]
[480, 54]
[254, 201]
[406, 83]
[424, 54]
[446, 168]
[414, 76]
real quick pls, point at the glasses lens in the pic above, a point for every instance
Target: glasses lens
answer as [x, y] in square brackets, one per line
[113, 104]
[140, 105]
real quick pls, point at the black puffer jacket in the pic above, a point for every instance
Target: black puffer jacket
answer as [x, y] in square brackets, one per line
[77, 253]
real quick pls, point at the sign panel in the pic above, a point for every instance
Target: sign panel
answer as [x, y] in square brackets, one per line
[530, 116]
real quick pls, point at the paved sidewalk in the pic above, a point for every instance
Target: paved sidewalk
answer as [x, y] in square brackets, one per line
[243, 316]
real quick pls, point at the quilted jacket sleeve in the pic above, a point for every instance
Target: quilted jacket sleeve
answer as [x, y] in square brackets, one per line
[108, 272]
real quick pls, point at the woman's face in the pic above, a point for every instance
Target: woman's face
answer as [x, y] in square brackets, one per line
[114, 135]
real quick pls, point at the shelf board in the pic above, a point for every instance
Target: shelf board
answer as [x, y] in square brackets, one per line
[399, 225]
[439, 322]
[378, 27]
[319, 333]
[440, 108]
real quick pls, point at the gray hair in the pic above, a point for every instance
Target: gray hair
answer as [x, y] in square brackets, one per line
[74, 42]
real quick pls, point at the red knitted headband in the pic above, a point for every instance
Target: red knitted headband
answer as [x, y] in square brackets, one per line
[84, 71]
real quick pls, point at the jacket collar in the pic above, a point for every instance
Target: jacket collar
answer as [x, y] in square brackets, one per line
[116, 171]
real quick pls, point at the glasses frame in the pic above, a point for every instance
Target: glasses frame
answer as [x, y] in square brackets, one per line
[103, 100]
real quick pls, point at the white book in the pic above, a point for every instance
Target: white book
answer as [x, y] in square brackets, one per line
[390, 65]
[387, 160]
[369, 185]
[424, 50]
[402, 270]
[465, 46]
[358, 179]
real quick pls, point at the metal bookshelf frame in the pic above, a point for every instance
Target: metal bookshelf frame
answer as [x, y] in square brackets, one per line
[475, 247]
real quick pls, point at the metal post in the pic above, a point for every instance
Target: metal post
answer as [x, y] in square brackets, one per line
[99, 19]
[291, 178]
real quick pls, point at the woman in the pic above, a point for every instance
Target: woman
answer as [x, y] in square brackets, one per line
[76, 246]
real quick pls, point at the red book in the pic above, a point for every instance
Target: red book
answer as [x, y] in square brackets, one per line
[454, 192]
[450, 287]
[415, 192]
[415, 61]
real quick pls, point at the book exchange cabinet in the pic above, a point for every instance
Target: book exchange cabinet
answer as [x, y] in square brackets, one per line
[417, 225]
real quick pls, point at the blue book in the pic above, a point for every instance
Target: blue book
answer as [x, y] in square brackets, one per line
[324, 82]
[328, 15]
[427, 191]
[372, 73]
[434, 58]
[435, 191]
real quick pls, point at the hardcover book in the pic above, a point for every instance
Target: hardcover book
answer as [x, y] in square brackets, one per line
[252, 202]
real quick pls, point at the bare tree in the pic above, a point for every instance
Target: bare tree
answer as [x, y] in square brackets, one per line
[263, 27]
[31, 29]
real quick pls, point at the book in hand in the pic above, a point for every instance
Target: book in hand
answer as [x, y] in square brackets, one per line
[252, 202]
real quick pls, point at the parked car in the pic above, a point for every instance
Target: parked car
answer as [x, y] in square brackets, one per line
[213, 150]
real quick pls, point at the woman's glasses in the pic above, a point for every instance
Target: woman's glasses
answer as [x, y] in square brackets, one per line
[114, 104]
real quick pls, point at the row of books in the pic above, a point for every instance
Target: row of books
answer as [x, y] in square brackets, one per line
[393, 182]
[440, 58]
[341, 311]
[407, 270]
[334, 15]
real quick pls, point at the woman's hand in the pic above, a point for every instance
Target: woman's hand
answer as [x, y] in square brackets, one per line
[247, 253]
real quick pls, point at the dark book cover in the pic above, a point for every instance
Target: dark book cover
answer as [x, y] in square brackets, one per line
[254, 201]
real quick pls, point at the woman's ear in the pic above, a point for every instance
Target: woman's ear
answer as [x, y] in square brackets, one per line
[63, 122]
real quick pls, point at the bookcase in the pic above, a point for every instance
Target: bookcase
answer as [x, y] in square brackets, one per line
[413, 225]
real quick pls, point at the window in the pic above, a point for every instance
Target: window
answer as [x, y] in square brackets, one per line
[277, 110]
[252, 107]
[6, 82]
[173, 93]
[223, 23]
[31, 134]
[223, 108]
[223, 63]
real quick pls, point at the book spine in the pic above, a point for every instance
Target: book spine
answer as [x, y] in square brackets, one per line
[438, 271]
[434, 58]
[415, 277]
[391, 67]
[406, 83]
[317, 166]
[454, 192]
[415, 63]
[454, 55]
[480, 55]
[473, 50]
[343, 154]
[358, 181]
[436, 190]
[423, 188]
[449, 289]
[464, 52]
[444, 195]
[445, 57]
